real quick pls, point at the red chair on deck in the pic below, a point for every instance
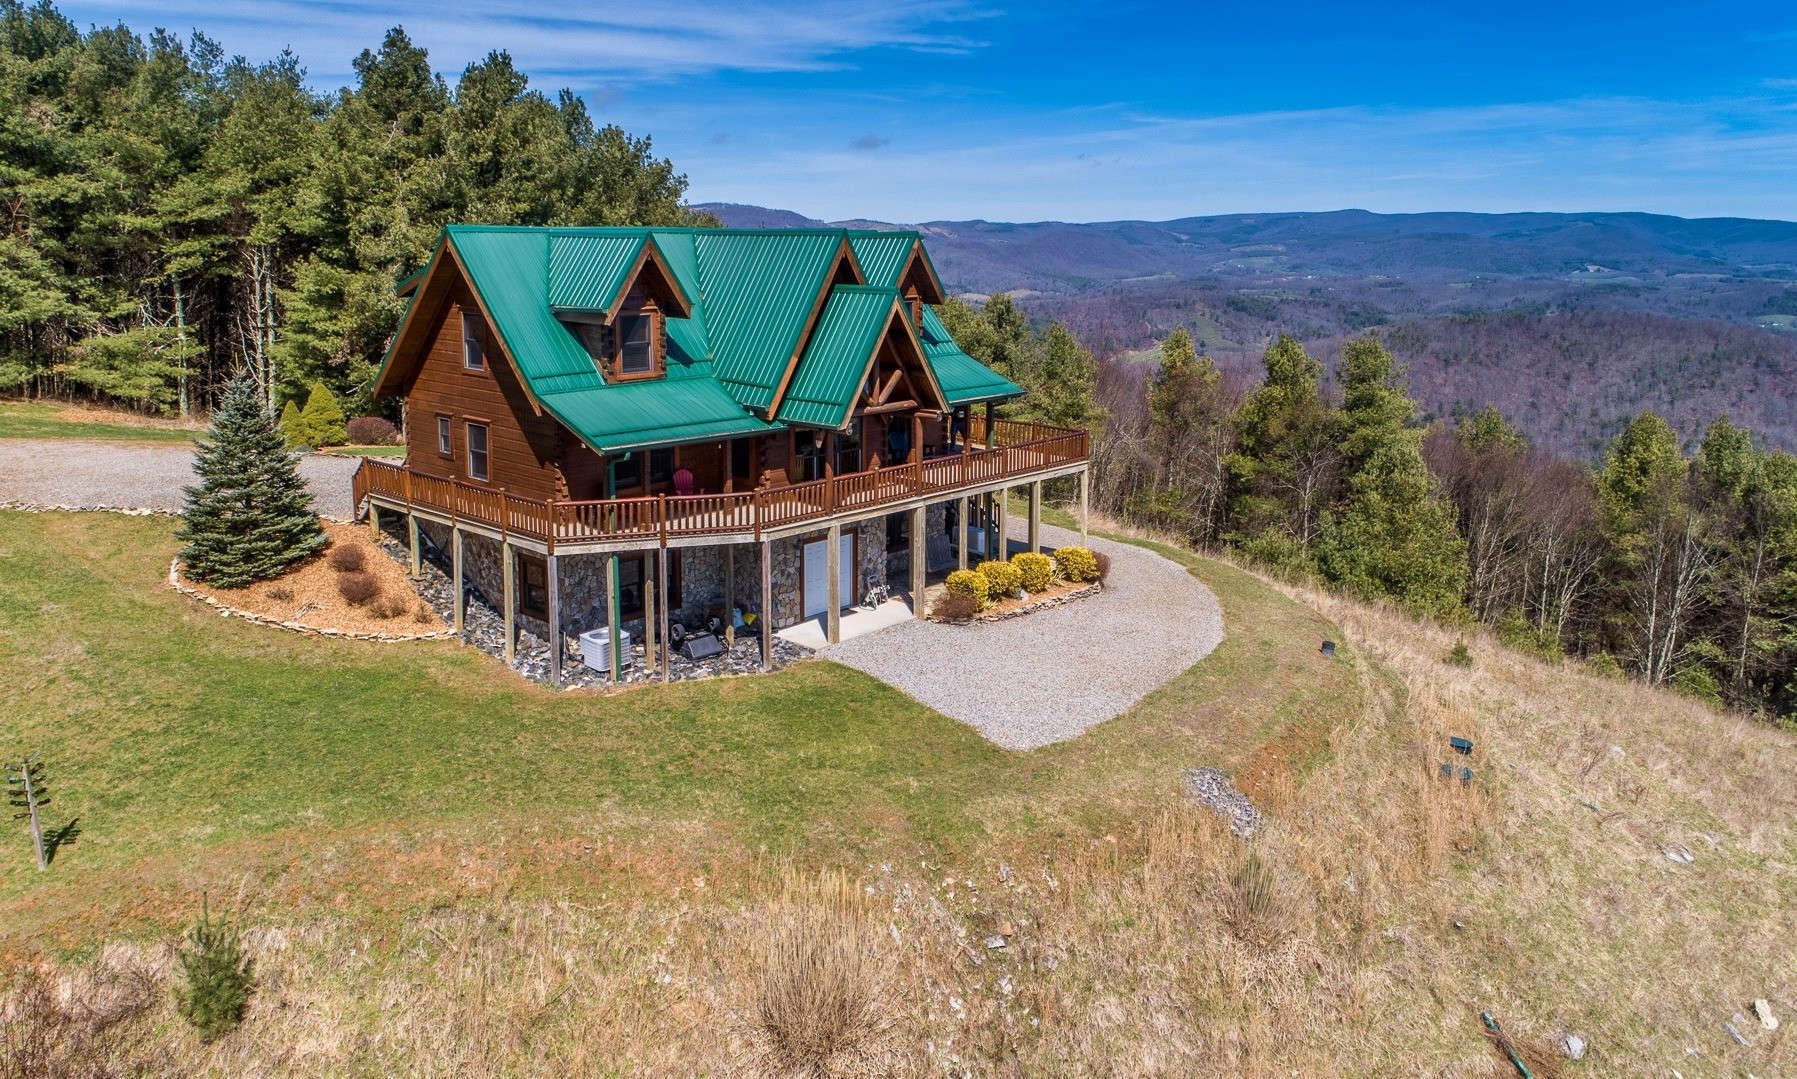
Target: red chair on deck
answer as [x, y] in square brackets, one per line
[683, 482]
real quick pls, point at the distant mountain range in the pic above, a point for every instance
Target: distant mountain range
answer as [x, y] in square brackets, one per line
[1661, 285]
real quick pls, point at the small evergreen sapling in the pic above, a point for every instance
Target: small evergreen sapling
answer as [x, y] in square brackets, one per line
[323, 418]
[217, 977]
[250, 516]
[293, 426]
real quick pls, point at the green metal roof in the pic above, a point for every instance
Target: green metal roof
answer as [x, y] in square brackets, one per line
[964, 380]
[829, 376]
[751, 294]
[586, 273]
[883, 255]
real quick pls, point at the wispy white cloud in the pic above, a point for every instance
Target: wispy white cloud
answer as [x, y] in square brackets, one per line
[584, 45]
[1718, 157]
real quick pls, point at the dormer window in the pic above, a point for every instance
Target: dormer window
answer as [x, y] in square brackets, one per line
[636, 344]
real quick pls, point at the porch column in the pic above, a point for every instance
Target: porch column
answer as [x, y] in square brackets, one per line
[1035, 515]
[1003, 498]
[766, 618]
[511, 600]
[415, 567]
[916, 437]
[650, 603]
[554, 584]
[991, 424]
[1082, 507]
[961, 508]
[833, 591]
[661, 584]
[612, 613]
[458, 596]
[730, 595]
[919, 560]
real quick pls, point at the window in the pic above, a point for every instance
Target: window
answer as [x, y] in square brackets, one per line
[474, 355]
[808, 448]
[661, 466]
[444, 446]
[848, 449]
[636, 344]
[477, 451]
[533, 586]
[627, 472]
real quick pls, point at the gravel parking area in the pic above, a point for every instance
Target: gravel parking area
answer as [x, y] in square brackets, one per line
[1051, 675]
[79, 472]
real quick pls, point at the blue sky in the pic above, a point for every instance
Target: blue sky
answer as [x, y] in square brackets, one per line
[915, 110]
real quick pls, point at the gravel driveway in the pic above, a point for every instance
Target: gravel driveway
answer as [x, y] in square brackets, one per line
[126, 475]
[1052, 675]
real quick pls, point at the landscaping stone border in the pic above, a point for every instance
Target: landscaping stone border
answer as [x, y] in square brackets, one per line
[227, 611]
[128, 511]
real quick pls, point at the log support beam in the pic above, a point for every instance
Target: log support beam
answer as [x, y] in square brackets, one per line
[833, 590]
[459, 596]
[961, 510]
[766, 617]
[730, 596]
[1035, 516]
[554, 584]
[919, 560]
[415, 563]
[1003, 501]
[661, 585]
[651, 603]
[612, 612]
[1083, 510]
[510, 558]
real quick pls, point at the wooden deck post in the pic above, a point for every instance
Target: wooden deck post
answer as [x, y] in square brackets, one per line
[661, 584]
[1002, 498]
[650, 623]
[991, 424]
[511, 601]
[961, 508]
[766, 617]
[414, 567]
[833, 590]
[612, 614]
[555, 617]
[458, 597]
[919, 559]
[374, 520]
[730, 595]
[1035, 515]
[1082, 507]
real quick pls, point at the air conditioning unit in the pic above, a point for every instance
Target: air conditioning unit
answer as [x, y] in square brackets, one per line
[595, 648]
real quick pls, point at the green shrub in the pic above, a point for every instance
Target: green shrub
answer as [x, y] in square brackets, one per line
[1034, 570]
[1694, 680]
[1459, 655]
[1276, 553]
[967, 583]
[322, 419]
[1002, 579]
[1076, 564]
[293, 426]
[216, 977]
[1605, 664]
[1516, 632]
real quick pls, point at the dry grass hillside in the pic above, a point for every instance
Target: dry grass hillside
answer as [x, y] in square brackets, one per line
[1361, 932]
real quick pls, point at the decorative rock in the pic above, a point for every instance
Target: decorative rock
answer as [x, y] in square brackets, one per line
[1574, 1045]
[1212, 788]
[995, 942]
[1762, 1010]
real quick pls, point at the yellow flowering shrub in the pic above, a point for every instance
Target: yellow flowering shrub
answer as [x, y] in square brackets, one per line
[968, 584]
[1076, 563]
[1035, 570]
[1002, 579]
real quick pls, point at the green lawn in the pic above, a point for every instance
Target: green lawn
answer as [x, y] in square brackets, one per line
[41, 419]
[190, 747]
[366, 451]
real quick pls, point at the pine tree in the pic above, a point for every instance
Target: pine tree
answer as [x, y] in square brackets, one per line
[250, 516]
[1391, 536]
[322, 419]
[1284, 465]
[292, 425]
[1064, 375]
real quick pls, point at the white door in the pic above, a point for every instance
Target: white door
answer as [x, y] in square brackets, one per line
[817, 575]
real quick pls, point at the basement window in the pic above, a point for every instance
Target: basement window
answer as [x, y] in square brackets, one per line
[533, 586]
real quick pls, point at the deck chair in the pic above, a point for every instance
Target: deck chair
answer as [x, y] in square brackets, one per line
[683, 482]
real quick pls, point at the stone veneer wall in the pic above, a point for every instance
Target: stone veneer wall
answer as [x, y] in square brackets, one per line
[703, 572]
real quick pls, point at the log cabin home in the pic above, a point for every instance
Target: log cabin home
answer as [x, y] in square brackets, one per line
[617, 428]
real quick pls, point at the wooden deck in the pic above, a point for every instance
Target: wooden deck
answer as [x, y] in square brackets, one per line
[1019, 453]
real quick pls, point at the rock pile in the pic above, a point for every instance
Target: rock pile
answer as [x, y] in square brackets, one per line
[1212, 788]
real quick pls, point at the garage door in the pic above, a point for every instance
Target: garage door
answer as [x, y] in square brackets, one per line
[817, 574]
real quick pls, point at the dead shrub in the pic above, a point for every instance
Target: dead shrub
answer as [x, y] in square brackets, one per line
[1104, 564]
[281, 594]
[954, 607]
[359, 588]
[347, 558]
[390, 606]
[422, 613]
[1256, 908]
[46, 1034]
[819, 1000]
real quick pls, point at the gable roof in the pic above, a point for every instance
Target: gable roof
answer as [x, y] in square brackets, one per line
[770, 321]
[855, 322]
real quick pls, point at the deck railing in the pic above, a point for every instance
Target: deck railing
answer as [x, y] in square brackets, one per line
[1019, 450]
